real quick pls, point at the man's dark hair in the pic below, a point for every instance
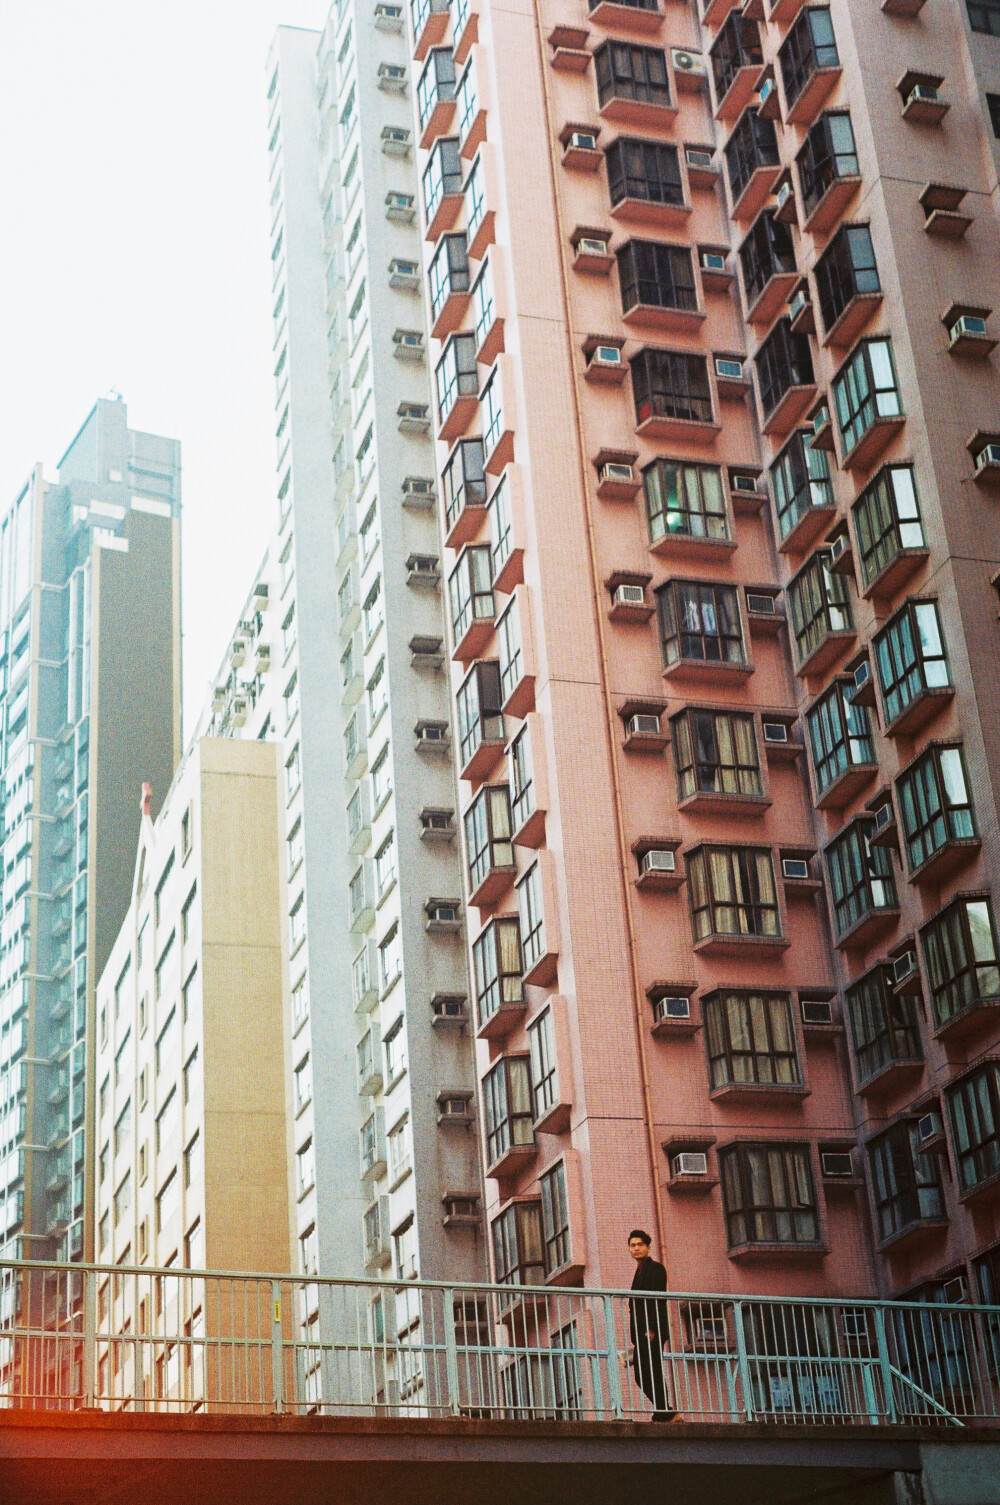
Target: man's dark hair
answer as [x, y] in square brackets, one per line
[640, 1233]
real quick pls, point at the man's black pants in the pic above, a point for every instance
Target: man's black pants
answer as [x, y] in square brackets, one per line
[647, 1365]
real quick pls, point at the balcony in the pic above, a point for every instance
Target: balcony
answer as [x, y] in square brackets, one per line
[847, 284]
[464, 493]
[867, 403]
[436, 89]
[441, 183]
[430, 23]
[785, 378]
[457, 386]
[767, 261]
[829, 175]
[673, 397]
[448, 280]
[470, 594]
[633, 87]
[657, 286]
[480, 722]
[753, 164]
[810, 65]
[638, 18]
[737, 59]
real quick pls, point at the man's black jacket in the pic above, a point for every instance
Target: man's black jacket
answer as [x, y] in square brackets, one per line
[648, 1316]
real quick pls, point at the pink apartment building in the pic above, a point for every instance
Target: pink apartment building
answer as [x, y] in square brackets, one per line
[719, 434]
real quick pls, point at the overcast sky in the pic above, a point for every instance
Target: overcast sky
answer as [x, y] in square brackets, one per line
[135, 256]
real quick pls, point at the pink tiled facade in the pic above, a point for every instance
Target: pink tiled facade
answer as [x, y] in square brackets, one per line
[710, 789]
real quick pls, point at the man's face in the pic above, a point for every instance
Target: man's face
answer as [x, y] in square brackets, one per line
[638, 1249]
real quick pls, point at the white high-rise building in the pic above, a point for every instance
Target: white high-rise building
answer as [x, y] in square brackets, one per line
[340, 653]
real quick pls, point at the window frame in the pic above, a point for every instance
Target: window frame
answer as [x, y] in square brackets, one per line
[756, 905]
[672, 384]
[884, 1025]
[848, 856]
[857, 410]
[833, 740]
[819, 605]
[950, 822]
[800, 481]
[508, 1122]
[679, 491]
[909, 658]
[792, 1158]
[953, 978]
[898, 1206]
[689, 743]
[674, 599]
[743, 1039]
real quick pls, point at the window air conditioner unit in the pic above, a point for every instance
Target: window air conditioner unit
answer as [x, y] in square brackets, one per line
[432, 733]
[904, 966]
[710, 1330]
[775, 731]
[690, 1163]
[391, 76]
[745, 484]
[713, 261]
[388, 17]
[794, 868]
[820, 418]
[589, 245]
[687, 62]
[883, 816]
[658, 860]
[445, 1006]
[923, 91]
[728, 369]
[988, 455]
[816, 1011]
[967, 324]
[455, 1108]
[855, 1320]
[643, 723]
[929, 1127]
[955, 1289]
[764, 606]
[409, 339]
[424, 564]
[629, 595]
[419, 489]
[838, 546]
[767, 88]
[395, 135]
[862, 674]
[798, 303]
[439, 913]
[584, 141]
[605, 355]
[784, 192]
[695, 156]
[614, 470]
[836, 1163]
[671, 1008]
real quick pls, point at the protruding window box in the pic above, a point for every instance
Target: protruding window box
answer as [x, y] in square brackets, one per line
[673, 397]
[671, 1019]
[497, 968]
[481, 736]
[645, 183]
[659, 871]
[737, 60]
[644, 728]
[488, 845]
[915, 1236]
[923, 708]
[528, 784]
[464, 493]
[940, 203]
[753, 164]
[569, 48]
[804, 499]
[767, 259]
[820, 610]
[581, 152]
[511, 1160]
[785, 377]
[472, 603]
[701, 634]
[457, 381]
[848, 285]
[590, 251]
[481, 190]
[633, 87]
[436, 95]
[867, 401]
[912, 668]
[626, 605]
[495, 403]
[441, 184]
[734, 901]
[783, 12]
[604, 366]
[775, 1094]
[538, 912]
[505, 517]
[846, 787]
[693, 546]
[810, 65]
[466, 29]
[657, 286]
[472, 103]
[715, 802]
[967, 332]
[430, 23]
[937, 816]
[643, 18]
[829, 174]
[714, 12]
[449, 281]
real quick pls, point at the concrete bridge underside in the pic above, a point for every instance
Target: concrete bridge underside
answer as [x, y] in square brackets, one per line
[96, 1458]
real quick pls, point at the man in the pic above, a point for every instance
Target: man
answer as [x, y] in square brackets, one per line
[648, 1325]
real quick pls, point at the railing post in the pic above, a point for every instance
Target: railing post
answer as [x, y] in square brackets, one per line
[89, 1375]
[277, 1349]
[885, 1364]
[742, 1360]
[614, 1376]
[450, 1352]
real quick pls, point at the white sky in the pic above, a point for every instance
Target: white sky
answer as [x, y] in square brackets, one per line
[135, 256]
